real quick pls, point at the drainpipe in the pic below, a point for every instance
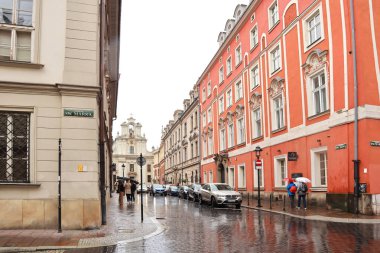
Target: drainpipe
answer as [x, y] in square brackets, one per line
[102, 185]
[356, 160]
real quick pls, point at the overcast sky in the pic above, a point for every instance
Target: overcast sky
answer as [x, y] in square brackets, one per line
[165, 46]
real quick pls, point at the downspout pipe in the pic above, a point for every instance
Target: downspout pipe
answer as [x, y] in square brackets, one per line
[102, 174]
[356, 159]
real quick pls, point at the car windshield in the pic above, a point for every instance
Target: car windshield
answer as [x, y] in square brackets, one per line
[220, 187]
[157, 186]
[197, 187]
[174, 187]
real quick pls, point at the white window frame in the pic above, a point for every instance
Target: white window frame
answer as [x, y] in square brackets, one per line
[204, 148]
[33, 30]
[221, 104]
[221, 74]
[209, 89]
[222, 138]
[238, 90]
[312, 110]
[254, 76]
[240, 124]
[238, 55]
[257, 121]
[231, 176]
[205, 178]
[210, 145]
[273, 15]
[211, 177]
[315, 166]
[256, 176]
[209, 115]
[275, 59]
[254, 36]
[231, 135]
[229, 98]
[278, 120]
[242, 176]
[278, 180]
[306, 32]
[204, 119]
[204, 94]
[229, 65]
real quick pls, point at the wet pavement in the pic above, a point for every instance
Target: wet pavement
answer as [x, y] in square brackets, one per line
[177, 225]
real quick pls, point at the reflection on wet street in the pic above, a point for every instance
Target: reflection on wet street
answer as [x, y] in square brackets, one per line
[191, 228]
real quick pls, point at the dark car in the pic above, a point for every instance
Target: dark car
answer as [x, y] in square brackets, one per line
[172, 190]
[182, 192]
[193, 191]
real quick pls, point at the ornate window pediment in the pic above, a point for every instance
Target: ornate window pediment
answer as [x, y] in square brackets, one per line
[276, 86]
[239, 110]
[221, 121]
[229, 117]
[255, 100]
[315, 61]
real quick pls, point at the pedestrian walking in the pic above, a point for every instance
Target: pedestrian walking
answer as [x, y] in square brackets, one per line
[133, 190]
[302, 191]
[292, 189]
[128, 190]
[121, 191]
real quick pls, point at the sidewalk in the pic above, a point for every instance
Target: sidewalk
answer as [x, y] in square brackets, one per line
[123, 225]
[312, 212]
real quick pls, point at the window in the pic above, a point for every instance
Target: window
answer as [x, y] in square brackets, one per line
[221, 104]
[241, 176]
[319, 93]
[238, 90]
[278, 111]
[231, 135]
[231, 176]
[210, 146]
[185, 153]
[314, 31]
[131, 149]
[149, 168]
[196, 148]
[254, 37]
[281, 171]
[14, 147]
[209, 89]
[319, 167]
[131, 167]
[209, 115]
[241, 131]
[221, 75]
[222, 140]
[256, 123]
[16, 17]
[196, 120]
[275, 59]
[149, 178]
[204, 119]
[203, 94]
[204, 148]
[210, 179]
[229, 98]
[205, 177]
[238, 56]
[255, 77]
[273, 14]
[191, 123]
[229, 65]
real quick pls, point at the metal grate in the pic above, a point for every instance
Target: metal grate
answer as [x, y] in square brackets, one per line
[14, 147]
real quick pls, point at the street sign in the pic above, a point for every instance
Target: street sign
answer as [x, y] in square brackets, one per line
[141, 162]
[258, 164]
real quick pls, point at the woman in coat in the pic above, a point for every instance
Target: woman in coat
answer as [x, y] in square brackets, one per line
[128, 190]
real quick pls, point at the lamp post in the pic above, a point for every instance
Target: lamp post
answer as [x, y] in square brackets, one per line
[123, 166]
[258, 167]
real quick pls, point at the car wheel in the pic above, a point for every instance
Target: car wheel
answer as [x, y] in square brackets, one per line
[213, 202]
[238, 206]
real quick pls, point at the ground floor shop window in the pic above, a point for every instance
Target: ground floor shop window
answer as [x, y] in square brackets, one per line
[319, 167]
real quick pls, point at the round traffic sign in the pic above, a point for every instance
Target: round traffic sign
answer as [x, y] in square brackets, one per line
[141, 161]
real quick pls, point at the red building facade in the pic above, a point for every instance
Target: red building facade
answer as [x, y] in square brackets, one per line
[285, 78]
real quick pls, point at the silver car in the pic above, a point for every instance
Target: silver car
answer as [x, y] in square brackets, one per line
[219, 194]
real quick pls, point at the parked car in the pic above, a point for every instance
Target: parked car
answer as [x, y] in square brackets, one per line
[193, 191]
[144, 188]
[158, 189]
[219, 194]
[173, 190]
[183, 192]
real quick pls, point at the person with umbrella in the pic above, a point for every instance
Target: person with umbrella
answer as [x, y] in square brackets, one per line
[302, 190]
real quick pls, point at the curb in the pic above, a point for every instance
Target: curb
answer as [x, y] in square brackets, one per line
[104, 241]
[319, 217]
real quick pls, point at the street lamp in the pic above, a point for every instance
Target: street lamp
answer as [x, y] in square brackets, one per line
[258, 167]
[123, 166]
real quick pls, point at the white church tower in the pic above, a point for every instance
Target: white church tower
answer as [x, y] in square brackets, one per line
[127, 147]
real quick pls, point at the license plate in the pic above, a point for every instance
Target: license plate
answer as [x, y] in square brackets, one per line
[231, 200]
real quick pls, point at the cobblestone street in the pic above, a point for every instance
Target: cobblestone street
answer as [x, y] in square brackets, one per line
[191, 228]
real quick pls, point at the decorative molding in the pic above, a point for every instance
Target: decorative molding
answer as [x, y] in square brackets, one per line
[315, 61]
[276, 86]
[239, 110]
[255, 100]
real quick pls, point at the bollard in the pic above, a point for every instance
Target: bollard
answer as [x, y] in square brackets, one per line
[283, 209]
[248, 198]
[270, 200]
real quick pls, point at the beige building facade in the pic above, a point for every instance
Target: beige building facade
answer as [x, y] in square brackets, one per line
[57, 82]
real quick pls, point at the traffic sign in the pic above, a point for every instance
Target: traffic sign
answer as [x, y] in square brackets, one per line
[258, 164]
[141, 161]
